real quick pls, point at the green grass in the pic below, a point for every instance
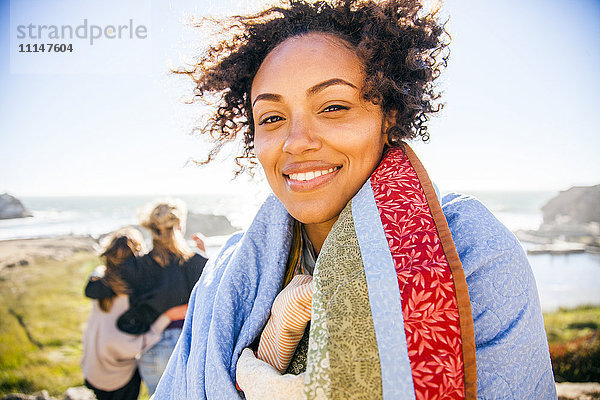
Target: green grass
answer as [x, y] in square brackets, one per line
[574, 339]
[43, 312]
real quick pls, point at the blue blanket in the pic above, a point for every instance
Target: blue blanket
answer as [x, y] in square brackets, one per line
[231, 304]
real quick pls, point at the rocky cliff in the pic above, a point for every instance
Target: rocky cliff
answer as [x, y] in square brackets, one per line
[579, 205]
[571, 222]
[209, 225]
[11, 207]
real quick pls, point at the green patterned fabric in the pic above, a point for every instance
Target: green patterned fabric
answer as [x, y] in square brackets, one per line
[343, 360]
[298, 363]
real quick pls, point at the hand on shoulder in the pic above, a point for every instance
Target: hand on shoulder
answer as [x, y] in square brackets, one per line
[176, 313]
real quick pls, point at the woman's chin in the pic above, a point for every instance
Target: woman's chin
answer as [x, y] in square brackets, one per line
[315, 213]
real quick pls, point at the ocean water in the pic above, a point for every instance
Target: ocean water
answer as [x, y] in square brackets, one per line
[566, 280]
[97, 215]
[562, 280]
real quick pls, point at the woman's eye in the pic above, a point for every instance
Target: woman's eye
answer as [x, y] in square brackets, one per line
[335, 107]
[270, 119]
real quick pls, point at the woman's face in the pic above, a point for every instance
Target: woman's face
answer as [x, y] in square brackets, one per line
[316, 139]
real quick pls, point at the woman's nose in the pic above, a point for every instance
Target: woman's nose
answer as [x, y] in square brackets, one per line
[301, 137]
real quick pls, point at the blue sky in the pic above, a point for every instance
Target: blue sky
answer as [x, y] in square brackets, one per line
[520, 93]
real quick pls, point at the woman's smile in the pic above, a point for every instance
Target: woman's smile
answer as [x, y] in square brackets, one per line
[309, 176]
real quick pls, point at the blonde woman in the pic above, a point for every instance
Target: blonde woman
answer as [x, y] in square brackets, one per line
[159, 280]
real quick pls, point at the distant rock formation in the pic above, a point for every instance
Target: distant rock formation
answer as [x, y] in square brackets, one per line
[579, 205]
[571, 223]
[209, 225]
[11, 207]
[573, 214]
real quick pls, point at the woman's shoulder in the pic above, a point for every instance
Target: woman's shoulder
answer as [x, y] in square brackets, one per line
[145, 259]
[146, 264]
[129, 262]
[487, 249]
[129, 267]
[474, 227]
[463, 205]
[196, 260]
[499, 278]
[194, 266]
[120, 304]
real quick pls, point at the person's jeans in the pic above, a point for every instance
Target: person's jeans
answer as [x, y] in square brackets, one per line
[153, 362]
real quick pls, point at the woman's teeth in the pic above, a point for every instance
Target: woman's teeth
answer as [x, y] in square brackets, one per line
[307, 176]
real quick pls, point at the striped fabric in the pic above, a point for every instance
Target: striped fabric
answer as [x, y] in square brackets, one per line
[289, 316]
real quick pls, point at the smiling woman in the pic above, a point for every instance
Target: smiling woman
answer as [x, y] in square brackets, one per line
[355, 279]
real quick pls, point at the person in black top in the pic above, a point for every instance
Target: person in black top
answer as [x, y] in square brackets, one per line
[157, 281]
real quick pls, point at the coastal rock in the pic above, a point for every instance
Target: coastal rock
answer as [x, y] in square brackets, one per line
[209, 225]
[11, 207]
[571, 223]
[580, 205]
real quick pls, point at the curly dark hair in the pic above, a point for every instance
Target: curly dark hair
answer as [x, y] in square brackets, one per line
[403, 50]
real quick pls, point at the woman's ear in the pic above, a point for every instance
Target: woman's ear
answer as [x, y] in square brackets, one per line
[389, 120]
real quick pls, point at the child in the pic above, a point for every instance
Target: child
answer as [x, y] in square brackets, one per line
[109, 359]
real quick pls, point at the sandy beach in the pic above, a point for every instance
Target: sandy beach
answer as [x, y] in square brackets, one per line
[21, 252]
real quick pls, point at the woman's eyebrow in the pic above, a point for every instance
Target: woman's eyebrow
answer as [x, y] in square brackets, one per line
[330, 82]
[267, 96]
[310, 92]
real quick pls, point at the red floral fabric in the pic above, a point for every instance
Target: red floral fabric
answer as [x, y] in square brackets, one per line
[429, 306]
